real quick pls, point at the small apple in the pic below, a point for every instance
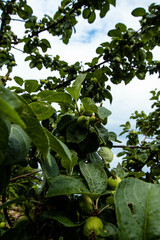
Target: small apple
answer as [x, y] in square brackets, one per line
[110, 200]
[92, 226]
[106, 154]
[83, 121]
[92, 120]
[85, 203]
[113, 182]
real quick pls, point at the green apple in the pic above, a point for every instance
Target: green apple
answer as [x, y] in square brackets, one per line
[92, 120]
[106, 154]
[110, 200]
[92, 226]
[2, 225]
[113, 182]
[83, 121]
[85, 203]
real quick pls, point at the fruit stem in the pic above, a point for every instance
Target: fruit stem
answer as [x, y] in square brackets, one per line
[103, 209]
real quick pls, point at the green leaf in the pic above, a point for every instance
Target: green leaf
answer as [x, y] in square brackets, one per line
[49, 166]
[74, 91]
[42, 110]
[89, 105]
[18, 80]
[113, 2]
[18, 145]
[138, 210]
[86, 13]
[58, 97]
[60, 217]
[120, 172]
[69, 165]
[95, 177]
[8, 203]
[59, 147]
[95, 158]
[28, 9]
[10, 98]
[23, 14]
[75, 134]
[34, 129]
[92, 17]
[122, 27]
[142, 157]
[31, 85]
[10, 106]
[46, 42]
[103, 113]
[100, 50]
[4, 136]
[104, 9]
[64, 185]
[114, 33]
[138, 12]
[102, 133]
[10, 113]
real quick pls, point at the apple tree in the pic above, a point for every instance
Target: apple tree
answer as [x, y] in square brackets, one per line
[55, 176]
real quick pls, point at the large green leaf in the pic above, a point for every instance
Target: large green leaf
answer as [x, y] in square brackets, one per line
[59, 147]
[95, 177]
[103, 133]
[31, 85]
[61, 218]
[74, 91]
[18, 145]
[34, 129]
[103, 113]
[58, 97]
[49, 166]
[64, 185]
[69, 165]
[10, 106]
[4, 135]
[42, 110]
[89, 105]
[138, 12]
[75, 134]
[138, 210]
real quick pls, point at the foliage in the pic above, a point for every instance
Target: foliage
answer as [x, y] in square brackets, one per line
[50, 158]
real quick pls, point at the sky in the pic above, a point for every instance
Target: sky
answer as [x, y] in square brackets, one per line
[82, 46]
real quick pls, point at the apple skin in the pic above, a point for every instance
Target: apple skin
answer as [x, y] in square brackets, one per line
[92, 225]
[113, 182]
[83, 121]
[85, 203]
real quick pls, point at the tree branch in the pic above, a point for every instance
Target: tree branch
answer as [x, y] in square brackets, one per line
[25, 175]
[123, 146]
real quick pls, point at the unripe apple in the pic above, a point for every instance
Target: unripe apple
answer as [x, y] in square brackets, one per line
[92, 120]
[85, 203]
[92, 226]
[83, 121]
[113, 182]
[110, 200]
[106, 154]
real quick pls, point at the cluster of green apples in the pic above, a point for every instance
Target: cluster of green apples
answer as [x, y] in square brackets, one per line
[93, 224]
[86, 118]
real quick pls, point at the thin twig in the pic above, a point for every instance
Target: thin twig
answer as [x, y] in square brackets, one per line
[25, 175]
[123, 146]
